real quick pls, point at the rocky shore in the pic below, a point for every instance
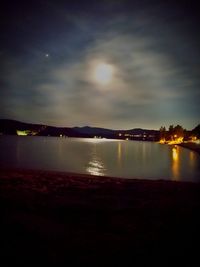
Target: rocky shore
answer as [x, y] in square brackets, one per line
[57, 219]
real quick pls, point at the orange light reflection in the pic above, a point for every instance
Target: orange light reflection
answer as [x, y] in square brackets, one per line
[175, 163]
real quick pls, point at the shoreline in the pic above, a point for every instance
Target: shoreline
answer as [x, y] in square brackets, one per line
[192, 146]
[99, 180]
[189, 145]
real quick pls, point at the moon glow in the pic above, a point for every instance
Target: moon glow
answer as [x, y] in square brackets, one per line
[103, 73]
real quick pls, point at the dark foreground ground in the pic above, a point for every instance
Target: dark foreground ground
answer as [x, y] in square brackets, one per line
[56, 219]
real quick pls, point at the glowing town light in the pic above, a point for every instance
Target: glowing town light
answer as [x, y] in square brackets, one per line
[22, 133]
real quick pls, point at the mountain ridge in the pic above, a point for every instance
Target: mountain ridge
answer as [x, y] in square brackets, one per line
[14, 127]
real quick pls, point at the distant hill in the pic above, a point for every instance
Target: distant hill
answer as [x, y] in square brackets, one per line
[13, 127]
[94, 130]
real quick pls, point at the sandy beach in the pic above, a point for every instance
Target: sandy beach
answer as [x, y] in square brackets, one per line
[58, 219]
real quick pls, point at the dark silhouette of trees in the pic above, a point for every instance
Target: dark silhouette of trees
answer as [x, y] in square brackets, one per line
[170, 133]
[173, 133]
[179, 131]
[163, 133]
[196, 131]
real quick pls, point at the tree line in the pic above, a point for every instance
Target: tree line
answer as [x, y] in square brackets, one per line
[178, 132]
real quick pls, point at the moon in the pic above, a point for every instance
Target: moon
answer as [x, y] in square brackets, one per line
[103, 73]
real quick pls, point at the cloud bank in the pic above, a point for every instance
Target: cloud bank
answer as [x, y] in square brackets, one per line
[154, 81]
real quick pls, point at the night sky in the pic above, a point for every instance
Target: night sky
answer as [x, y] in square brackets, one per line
[115, 64]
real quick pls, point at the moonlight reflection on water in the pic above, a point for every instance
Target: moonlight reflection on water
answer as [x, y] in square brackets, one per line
[116, 158]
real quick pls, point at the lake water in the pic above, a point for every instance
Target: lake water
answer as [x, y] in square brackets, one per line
[118, 158]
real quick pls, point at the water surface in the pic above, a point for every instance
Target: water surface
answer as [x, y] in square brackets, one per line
[128, 159]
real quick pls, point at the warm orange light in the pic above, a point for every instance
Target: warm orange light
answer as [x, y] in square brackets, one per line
[178, 140]
[194, 138]
[174, 154]
[175, 164]
[162, 141]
